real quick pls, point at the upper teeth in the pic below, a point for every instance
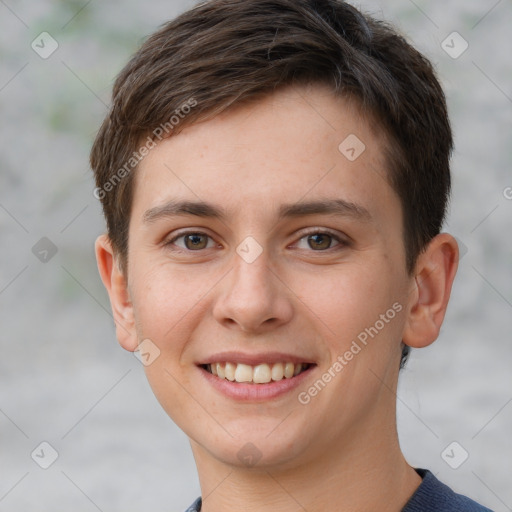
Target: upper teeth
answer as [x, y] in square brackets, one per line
[259, 374]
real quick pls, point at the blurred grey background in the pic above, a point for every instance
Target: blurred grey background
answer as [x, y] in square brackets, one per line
[65, 380]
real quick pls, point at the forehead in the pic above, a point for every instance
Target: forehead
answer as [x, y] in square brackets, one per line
[294, 142]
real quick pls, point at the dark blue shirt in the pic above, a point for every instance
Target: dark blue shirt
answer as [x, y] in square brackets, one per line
[431, 496]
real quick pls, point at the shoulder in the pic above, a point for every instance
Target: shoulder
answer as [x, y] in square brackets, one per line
[431, 496]
[195, 507]
[434, 496]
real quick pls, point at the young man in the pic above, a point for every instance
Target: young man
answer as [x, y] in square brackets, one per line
[274, 175]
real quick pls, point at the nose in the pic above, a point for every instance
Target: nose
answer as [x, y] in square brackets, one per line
[253, 297]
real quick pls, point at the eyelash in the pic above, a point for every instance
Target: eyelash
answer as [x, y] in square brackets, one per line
[341, 242]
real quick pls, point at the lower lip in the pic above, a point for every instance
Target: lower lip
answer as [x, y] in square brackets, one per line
[243, 391]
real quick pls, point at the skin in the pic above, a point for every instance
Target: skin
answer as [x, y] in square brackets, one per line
[299, 297]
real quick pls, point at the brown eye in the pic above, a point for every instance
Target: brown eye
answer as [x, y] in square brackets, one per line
[191, 241]
[196, 241]
[319, 241]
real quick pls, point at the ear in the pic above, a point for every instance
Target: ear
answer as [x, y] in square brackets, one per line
[117, 288]
[433, 278]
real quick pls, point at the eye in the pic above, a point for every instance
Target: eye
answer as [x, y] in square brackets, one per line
[192, 241]
[320, 241]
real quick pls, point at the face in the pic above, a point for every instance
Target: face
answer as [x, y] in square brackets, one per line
[261, 245]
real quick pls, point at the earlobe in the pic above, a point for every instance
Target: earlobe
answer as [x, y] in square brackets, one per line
[117, 288]
[434, 274]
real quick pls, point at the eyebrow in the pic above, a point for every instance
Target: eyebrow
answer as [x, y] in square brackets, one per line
[338, 207]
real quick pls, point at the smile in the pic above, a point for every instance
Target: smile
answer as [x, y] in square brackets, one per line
[258, 374]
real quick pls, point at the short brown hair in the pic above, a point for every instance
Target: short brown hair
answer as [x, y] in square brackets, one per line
[225, 52]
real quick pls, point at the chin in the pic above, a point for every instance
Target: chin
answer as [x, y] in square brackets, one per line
[255, 448]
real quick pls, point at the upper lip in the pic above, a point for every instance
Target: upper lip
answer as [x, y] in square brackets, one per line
[255, 359]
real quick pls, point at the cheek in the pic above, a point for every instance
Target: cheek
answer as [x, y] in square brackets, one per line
[164, 300]
[345, 302]
[167, 304]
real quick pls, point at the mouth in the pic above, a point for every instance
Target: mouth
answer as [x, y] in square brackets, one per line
[263, 373]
